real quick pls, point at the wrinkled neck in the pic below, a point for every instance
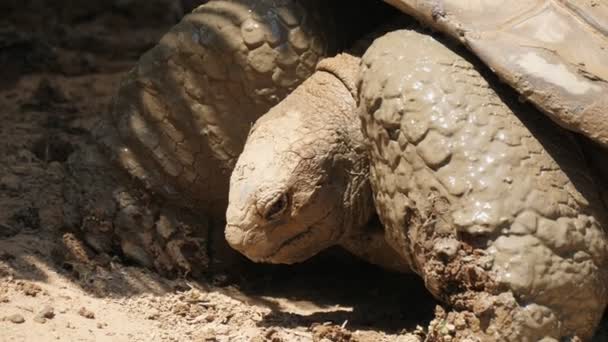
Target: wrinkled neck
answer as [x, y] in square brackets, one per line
[358, 201]
[345, 67]
[358, 204]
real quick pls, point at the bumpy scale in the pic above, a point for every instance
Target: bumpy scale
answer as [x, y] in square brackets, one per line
[182, 115]
[490, 202]
[178, 123]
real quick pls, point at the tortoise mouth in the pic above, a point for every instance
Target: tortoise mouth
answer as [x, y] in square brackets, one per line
[303, 244]
[291, 250]
[255, 244]
[290, 258]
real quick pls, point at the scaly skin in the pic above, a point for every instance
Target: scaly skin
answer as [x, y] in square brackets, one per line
[301, 184]
[486, 199]
[529, 45]
[491, 203]
[179, 121]
[181, 116]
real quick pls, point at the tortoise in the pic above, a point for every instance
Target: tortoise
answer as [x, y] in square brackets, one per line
[182, 115]
[177, 124]
[499, 208]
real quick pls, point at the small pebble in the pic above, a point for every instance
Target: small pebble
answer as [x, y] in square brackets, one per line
[84, 312]
[47, 312]
[16, 318]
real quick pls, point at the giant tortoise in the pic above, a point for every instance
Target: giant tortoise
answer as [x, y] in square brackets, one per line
[182, 115]
[499, 205]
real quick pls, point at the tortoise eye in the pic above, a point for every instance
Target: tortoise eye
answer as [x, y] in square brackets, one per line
[276, 208]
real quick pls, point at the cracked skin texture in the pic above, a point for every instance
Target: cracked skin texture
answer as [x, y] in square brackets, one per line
[177, 124]
[181, 116]
[301, 184]
[489, 201]
[180, 119]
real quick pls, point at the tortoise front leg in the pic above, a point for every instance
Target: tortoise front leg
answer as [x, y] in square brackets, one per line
[181, 116]
[178, 123]
[491, 203]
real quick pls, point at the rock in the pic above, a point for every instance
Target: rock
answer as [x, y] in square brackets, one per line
[84, 312]
[47, 312]
[16, 318]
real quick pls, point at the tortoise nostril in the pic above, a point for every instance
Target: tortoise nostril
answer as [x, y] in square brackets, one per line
[276, 208]
[234, 236]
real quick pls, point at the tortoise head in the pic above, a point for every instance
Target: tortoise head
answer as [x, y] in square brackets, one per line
[295, 188]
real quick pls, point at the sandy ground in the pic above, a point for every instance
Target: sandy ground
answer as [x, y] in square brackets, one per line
[43, 301]
[61, 64]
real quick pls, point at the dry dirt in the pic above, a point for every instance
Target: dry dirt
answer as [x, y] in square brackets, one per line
[61, 63]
